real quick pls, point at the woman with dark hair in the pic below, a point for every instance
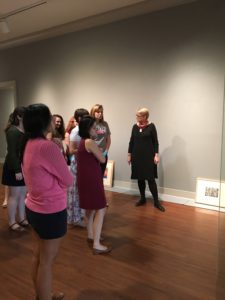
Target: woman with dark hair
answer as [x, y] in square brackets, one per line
[90, 184]
[47, 178]
[75, 215]
[59, 126]
[4, 204]
[103, 134]
[12, 174]
[57, 135]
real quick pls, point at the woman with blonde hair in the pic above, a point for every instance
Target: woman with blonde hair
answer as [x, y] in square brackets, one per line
[103, 138]
[143, 155]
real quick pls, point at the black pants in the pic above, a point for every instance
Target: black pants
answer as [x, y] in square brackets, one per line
[152, 187]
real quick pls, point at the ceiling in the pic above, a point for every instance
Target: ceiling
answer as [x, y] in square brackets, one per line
[31, 20]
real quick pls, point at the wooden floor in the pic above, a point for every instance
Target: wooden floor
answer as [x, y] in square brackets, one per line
[156, 256]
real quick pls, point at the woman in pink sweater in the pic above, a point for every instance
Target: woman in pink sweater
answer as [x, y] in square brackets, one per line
[47, 178]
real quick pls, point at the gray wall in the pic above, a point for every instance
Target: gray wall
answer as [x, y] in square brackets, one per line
[6, 107]
[170, 61]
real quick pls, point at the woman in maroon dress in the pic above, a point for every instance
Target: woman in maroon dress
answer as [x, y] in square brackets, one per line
[90, 184]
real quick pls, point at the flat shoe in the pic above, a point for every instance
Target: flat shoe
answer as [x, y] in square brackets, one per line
[4, 204]
[16, 227]
[160, 207]
[58, 296]
[24, 223]
[140, 202]
[98, 251]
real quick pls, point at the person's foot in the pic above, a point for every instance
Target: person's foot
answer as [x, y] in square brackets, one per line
[80, 224]
[140, 202]
[57, 296]
[16, 227]
[103, 250]
[4, 204]
[160, 207]
[24, 223]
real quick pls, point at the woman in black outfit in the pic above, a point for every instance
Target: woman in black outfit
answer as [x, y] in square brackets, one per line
[143, 156]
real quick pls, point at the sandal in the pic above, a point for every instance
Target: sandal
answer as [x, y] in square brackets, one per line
[24, 223]
[16, 227]
[105, 251]
[57, 296]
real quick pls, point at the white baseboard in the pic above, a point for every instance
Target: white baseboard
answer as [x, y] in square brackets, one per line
[165, 194]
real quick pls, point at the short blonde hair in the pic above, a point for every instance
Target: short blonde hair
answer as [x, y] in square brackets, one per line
[143, 111]
[95, 108]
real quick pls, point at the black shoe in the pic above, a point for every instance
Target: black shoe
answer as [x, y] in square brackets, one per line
[160, 207]
[140, 202]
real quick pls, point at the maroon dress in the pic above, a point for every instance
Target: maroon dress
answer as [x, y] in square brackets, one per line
[89, 180]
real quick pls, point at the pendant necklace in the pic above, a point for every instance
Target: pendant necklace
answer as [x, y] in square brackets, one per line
[140, 130]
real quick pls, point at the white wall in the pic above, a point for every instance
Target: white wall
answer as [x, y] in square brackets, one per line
[170, 61]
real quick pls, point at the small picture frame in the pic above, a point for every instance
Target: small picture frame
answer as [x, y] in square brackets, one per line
[108, 175]
[208, 191]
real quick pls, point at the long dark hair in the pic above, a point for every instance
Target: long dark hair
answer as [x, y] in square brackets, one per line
[36, 121]
[80, 113]
[58, 132]
[13, 117]
[84, 127]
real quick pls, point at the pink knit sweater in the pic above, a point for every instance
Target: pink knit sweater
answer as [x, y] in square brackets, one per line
[46, 176]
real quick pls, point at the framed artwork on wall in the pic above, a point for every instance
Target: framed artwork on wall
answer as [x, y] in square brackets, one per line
[210, 192]
[108, 175]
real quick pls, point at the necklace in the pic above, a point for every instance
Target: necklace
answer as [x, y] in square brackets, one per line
[140, 130]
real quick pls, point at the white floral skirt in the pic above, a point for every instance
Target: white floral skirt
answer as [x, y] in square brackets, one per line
[75, 214]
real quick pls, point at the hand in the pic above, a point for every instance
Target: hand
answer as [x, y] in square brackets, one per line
[156, 159]
[129, 159]
[105, 153]
[19, 176]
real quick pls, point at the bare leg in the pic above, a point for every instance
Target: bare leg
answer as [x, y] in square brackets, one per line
[97, 228]
[4, 204]
[14, 194]
[90, 219]
[48, 252]
[21, 204]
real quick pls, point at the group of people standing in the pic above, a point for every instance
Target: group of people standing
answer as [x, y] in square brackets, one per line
[35, 169]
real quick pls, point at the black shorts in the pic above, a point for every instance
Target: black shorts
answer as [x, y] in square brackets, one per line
[48, 226]
[9, 177]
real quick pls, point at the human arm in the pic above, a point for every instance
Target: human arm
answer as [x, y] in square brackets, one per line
[129, 158]
[92, 147]
[108, 143]
[14, 139]
[56, 164]
[130, 147]
[155, 144]
[73, 147]
[67, 138]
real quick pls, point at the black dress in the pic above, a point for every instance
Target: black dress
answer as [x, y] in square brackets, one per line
[12, 164]
[143, 146]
